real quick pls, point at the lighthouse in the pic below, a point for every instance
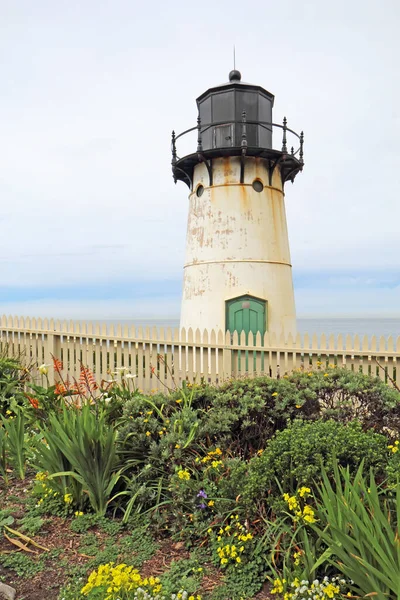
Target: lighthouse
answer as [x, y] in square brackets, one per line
[237, 270]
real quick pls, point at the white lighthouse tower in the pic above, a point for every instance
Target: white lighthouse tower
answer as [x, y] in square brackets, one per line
[237, 271]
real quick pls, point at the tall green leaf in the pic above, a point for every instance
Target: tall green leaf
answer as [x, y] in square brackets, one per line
[362, 532]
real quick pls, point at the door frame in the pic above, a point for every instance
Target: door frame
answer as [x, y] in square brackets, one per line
[244, 298]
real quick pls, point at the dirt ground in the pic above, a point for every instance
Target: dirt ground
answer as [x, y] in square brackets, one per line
[64, 545]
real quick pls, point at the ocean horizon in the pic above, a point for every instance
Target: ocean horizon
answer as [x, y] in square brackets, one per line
[378, 326]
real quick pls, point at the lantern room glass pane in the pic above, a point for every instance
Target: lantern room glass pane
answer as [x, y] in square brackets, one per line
[205, 116]
[265, 114]
[247, 101]
[223, 107]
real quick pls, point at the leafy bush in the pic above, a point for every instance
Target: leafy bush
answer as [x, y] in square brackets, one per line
[295, 456]
[244, 414]
[344, 395]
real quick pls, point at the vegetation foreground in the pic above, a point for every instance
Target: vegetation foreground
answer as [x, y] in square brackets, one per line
[260, 488]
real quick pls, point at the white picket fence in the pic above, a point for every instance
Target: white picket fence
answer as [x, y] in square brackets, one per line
[164, 358]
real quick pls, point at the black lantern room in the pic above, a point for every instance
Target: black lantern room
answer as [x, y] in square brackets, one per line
[235, 119]
[223, 108]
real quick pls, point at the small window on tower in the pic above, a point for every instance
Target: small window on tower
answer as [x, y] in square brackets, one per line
[258, 185]
[199, 191]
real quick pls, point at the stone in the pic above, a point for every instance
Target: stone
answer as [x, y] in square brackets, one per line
[6, 592]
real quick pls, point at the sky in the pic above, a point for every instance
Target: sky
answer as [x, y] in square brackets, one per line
[91, 223]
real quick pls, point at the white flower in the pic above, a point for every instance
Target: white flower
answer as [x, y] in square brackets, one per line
[107, 399]
[130, 376]
[303, 589]
[44, 369]
[121, 370]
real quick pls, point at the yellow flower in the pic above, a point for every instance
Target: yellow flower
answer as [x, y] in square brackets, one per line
[330, 590]
[178, 401]
[299, 405]
[326, 375]
[303, 491]
[275, 394]
[161, 433]
[148, 433]
[67, 498]
[211, 503]
[297, 557]
[184, 474]
[177, 446]
[278, 586]
[78, 513]
[43, 369]
[291, 501]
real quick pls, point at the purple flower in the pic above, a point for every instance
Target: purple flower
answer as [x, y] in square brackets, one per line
[202, 494]
[202, 505]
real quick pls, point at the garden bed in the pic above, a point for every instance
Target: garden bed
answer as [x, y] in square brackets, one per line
[259, 488]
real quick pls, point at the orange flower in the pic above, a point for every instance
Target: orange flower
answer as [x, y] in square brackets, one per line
[59, 389]
[87, 381]
[57, 364]
[34, 402]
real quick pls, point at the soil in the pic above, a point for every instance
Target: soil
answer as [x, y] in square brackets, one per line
[57, 535]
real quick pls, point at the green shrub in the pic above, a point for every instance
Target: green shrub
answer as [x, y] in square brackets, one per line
[295, 456]
[345, 395]
[242, 415]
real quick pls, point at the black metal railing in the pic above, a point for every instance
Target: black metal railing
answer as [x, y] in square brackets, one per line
[244, 123]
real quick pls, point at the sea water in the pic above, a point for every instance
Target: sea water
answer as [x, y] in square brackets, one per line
[328, 325]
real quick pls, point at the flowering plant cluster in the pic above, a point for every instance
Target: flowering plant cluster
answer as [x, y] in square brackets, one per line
[394, 447]
[328, 588]
[232, 543]
[302, 512]
[49, 498]
[212, 459]
[123, 582]
[195, 487]
[118, 580]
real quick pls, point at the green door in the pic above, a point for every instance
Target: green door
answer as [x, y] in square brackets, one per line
[246, 313]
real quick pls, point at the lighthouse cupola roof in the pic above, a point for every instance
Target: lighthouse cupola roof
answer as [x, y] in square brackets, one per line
[235, 119]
